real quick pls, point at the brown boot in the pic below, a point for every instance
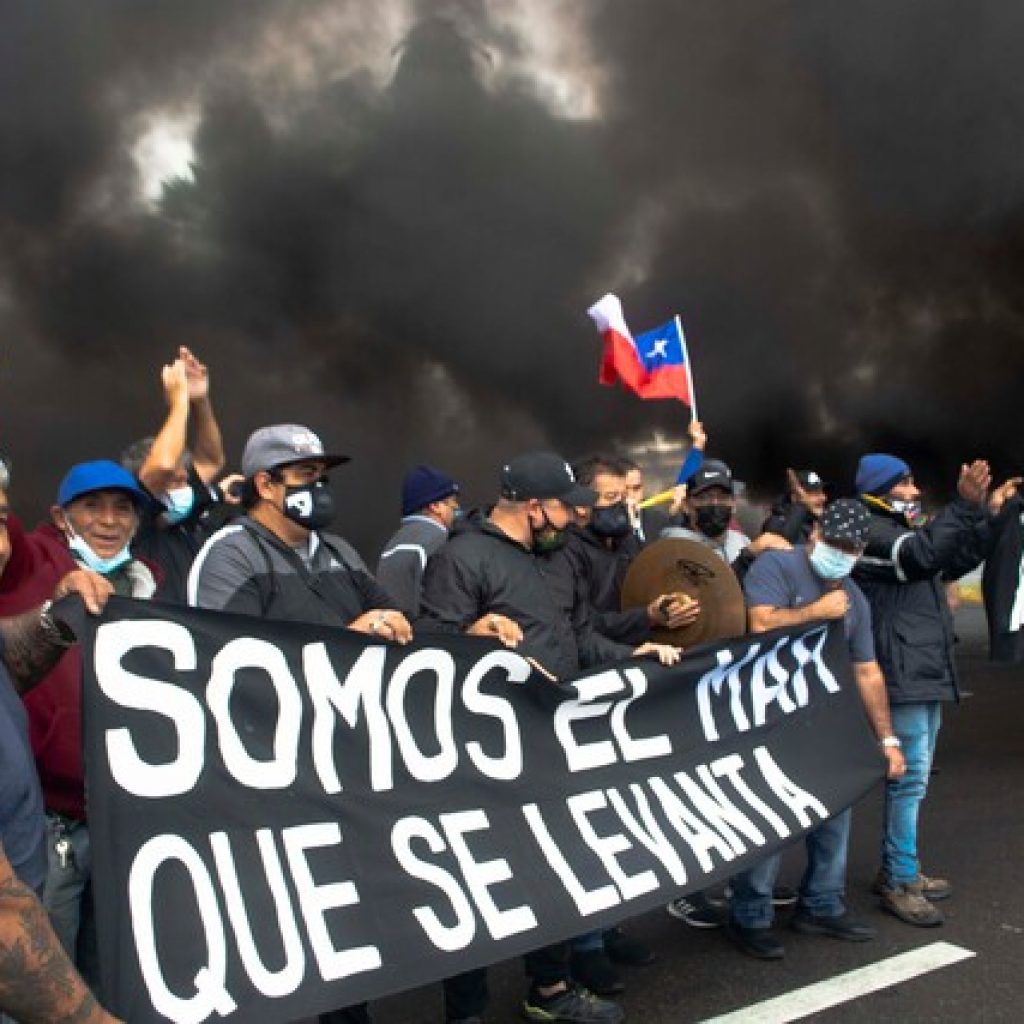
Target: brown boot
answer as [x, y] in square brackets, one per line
[931, 888]
[909, 904]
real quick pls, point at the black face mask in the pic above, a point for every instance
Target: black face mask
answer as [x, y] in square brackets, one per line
[713, 520]
[309, 505]
[548, 538]
[611, 520]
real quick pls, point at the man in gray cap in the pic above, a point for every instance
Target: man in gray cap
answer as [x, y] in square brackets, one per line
[277, 562]
[786, 588]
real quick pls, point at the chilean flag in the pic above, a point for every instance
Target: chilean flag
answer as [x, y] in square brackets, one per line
[652, 365]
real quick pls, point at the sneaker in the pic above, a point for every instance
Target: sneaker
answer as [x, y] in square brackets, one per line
[841, 927]
[695, 911]
[622, 949]
[908, 903]
[594, 971]
[756, 942]
[931, 888]
[574, 1005]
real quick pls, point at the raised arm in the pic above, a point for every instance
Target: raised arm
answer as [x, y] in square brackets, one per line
[207, 444]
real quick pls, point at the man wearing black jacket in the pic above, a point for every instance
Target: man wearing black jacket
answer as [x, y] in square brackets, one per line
[1003, 583]
[902, 573]
[489, 581]
[599, 547]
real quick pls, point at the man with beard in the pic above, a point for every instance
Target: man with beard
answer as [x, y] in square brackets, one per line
[902, 574]
[490, 580]
[794, 513]
[786, 588]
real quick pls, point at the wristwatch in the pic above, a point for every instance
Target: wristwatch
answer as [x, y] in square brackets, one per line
[890, 741]
[57, 633]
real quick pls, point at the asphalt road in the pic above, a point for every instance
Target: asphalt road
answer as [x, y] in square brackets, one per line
[972, 833]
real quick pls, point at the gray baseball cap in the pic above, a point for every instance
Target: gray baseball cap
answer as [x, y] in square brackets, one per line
[281, 444]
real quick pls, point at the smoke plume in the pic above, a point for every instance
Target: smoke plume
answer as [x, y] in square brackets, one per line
[394, 215]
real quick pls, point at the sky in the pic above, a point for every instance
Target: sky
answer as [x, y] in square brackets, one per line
[387, 220]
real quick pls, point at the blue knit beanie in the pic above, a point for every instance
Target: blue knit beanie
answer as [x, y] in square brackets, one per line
[424, 484]
[878, 474]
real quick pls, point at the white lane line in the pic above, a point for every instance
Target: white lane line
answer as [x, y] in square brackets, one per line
[802, 1002]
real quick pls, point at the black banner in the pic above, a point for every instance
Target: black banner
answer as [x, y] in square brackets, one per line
[287, 819]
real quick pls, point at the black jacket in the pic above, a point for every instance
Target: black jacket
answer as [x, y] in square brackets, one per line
[1003, 585]
[586, 560]
[902, 573]
[481, 569]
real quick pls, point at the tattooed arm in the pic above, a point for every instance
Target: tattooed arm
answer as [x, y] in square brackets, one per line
[38, 984]
[32, 647]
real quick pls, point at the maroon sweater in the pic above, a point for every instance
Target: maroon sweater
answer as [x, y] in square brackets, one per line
[39, 560]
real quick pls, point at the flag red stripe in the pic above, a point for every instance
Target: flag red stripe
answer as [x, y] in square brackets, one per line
[621, 362]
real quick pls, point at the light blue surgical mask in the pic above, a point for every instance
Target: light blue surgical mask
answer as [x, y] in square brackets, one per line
[830, 563]
[89, 558]
[178, 504]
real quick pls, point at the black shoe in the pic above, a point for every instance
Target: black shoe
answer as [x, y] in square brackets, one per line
[573, 1006]
[594, 971]
[621, 949]
[841, 927]
[695, 911]
[756, 942]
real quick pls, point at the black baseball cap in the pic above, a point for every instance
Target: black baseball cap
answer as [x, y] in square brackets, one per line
[543, 475]
[810, 480]
[712, 474]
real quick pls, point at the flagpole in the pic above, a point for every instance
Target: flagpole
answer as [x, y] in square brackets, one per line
[689, 371]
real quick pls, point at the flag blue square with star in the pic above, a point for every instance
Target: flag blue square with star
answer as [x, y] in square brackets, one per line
[661, 347]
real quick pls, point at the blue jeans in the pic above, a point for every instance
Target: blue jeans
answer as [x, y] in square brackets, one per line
[917, 726]
[821, 888]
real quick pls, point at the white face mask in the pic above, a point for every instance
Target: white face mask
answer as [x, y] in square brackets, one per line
[89, 558]
[910, 509]
[179, 504]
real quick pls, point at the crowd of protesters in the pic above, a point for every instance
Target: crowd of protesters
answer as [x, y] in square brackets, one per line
[540, 569]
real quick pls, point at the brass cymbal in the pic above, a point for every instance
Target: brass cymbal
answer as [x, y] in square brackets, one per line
[674, 565]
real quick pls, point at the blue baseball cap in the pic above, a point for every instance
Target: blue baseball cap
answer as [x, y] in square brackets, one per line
[101, 475]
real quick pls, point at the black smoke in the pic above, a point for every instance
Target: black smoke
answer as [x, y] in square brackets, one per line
[829, 193]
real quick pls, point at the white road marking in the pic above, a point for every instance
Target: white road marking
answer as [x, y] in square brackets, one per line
[802, 1002]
